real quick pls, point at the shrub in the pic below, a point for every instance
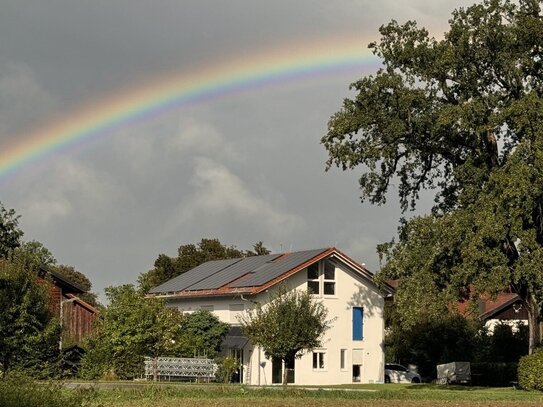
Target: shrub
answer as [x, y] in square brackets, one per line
[17, 390]
[227, 367]
[529, 371]
[493, 374]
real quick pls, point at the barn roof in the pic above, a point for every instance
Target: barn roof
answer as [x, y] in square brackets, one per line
[61, 280]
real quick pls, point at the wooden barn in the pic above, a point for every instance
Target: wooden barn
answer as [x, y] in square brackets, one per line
[76, 315]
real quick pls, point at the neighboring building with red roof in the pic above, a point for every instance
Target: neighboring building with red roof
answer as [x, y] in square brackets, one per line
[505, 308]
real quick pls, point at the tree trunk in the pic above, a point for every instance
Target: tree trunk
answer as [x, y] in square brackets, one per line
[491, 145]
[285, 372]
[155, 369]
[534, 335]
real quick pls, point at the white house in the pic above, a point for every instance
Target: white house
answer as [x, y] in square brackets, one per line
[352, 349]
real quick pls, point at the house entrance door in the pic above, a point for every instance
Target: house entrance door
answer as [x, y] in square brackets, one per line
[237, 354]
[277, 371]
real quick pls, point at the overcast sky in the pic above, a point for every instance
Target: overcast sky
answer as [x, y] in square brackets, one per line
[242, 168]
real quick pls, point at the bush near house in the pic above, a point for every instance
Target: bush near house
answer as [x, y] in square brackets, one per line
[529, 371]
[493, 374]
[132, 327]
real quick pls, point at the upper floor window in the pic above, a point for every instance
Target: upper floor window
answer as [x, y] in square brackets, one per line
[358, 323]
[313, 283]
[321, 278]
[235, 311]
[329, 281]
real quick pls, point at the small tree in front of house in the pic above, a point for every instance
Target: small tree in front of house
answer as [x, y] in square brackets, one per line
[290, 323]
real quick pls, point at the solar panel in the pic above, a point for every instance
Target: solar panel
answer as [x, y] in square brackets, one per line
[271, 270]
[193, 276]
[232, 272]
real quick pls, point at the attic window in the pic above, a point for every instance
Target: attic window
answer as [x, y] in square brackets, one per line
[329, 278]
[321, 278]
[313, 283]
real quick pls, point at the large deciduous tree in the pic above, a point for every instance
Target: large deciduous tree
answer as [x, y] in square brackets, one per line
[290, 323]
[462, 115]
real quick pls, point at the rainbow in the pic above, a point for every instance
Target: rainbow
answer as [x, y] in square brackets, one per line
[222, 78]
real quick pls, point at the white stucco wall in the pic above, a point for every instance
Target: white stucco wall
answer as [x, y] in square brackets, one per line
[352, 290]
[491, 324]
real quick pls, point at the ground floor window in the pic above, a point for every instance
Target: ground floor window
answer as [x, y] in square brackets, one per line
[318, 360]
[342, 355]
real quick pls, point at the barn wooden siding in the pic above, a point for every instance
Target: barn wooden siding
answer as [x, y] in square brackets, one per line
[77, 315]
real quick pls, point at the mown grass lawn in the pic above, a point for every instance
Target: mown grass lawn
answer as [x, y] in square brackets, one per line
[343, 396]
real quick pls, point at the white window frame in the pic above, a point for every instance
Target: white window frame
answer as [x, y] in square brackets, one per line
[343, 359]
[319, 356]
[321, 280]
[329, 281]
[314, 280]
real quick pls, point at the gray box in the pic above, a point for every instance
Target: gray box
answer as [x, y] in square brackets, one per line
[454, 372]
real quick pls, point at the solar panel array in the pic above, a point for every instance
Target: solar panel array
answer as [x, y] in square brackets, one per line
[274, 269]
[215, 274]
[193, 276]
[232, 272]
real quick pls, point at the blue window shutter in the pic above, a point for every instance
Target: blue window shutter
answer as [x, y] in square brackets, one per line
[358, 323]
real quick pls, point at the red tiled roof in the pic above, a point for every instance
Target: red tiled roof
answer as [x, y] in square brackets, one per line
[488, 306]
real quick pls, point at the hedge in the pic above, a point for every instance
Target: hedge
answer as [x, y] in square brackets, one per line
[493, 374]
[530, 370]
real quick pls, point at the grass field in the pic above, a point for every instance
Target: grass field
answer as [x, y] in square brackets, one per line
[361, 396]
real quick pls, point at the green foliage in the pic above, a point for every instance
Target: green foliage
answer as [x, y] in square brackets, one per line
[74, 276]
[190, 256]
[499, 374]
[431, 342]
[37, 253]
[227, 367]
[529, 371]
[203, 333]
[431, 115]
[394, 395]
[79, 279]
[130, 328]
[17, 391]
[464, 116]
[503, 345]
[258, 250]
[291, 322]
[450, 336]
[10, 233]
[29, 334]
[133, 327]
